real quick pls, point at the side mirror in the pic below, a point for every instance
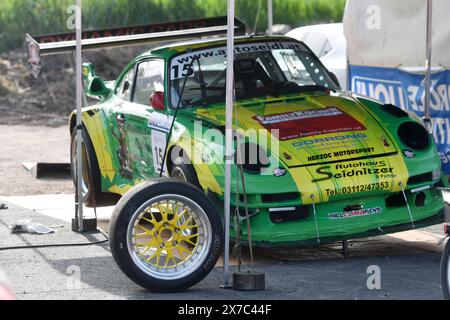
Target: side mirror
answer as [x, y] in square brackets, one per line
[94, 86]
[335, 79]
[157, 100]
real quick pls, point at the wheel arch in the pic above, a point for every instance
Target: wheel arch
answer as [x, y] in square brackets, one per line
[205, 177]
[72, 121]
[94, 129]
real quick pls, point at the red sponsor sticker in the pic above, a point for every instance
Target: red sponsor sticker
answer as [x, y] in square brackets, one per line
[306, 123]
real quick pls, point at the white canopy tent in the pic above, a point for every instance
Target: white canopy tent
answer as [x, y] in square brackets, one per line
[398, 53]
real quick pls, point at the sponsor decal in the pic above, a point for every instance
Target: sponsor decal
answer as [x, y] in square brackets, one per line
[306, 123]
[375, 168]
[279, 172]
[159, 142]
[134, 30]
[340, 138]
[160, 122]
[34, 60]
[409, 154]
[179, 67]
[354, 213]
[297, 115]
[335, 154]
[420, 189]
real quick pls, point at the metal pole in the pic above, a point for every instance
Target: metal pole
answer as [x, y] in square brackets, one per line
[270, 16]
[428, 63]
[228, 138]
[79, 101]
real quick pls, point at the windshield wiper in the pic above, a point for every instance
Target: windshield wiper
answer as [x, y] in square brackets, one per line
[291, 88]
[205, 101]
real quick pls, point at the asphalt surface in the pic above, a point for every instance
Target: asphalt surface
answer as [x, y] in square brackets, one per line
[408, 265]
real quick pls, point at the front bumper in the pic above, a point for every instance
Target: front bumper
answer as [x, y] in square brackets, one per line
[392, 215]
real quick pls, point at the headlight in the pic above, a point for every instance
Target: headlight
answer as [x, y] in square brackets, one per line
[414, 135]
[252, 157]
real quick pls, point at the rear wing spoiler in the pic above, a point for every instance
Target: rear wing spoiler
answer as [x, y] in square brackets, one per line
[124, 36]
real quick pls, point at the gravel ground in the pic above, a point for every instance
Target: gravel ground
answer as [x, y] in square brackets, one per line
[20, 143]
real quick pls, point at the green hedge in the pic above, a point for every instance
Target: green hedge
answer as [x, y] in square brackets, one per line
[50, 16]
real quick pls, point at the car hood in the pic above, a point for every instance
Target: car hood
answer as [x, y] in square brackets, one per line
[325, 141]
[312, 130]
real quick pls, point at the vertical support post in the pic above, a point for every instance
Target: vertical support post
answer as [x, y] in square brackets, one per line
[270, 16]
[79, 101]
[228, 139]
[427, 118]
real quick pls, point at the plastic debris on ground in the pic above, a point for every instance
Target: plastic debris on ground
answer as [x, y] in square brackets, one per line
[26, 226]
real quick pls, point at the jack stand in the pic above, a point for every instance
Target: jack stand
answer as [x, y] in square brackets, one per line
[344, 248]
[88, 225]
[226, 286]
[249, 281]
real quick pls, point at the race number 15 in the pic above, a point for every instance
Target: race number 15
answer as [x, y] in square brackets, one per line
[178, 72]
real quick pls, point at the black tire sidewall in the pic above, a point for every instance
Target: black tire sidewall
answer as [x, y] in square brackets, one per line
[125, 210]
[444, 271]
[94, 186]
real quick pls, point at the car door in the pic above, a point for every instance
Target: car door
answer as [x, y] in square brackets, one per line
[118, 127]
[145, 145]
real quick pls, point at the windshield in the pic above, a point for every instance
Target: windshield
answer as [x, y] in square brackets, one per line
[260, 69]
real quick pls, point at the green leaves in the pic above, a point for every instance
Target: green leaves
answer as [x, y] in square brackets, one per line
[49, 16]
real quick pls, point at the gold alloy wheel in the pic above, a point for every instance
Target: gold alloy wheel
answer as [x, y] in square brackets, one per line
[169, 236]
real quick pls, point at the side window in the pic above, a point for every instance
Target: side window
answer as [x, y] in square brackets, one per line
[150, 78]
[124, 89]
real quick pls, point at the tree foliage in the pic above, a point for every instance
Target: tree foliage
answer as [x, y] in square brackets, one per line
[50, 16]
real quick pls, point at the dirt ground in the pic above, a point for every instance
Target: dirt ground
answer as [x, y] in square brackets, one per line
[25, 143]
[34, 114]
[50, 98]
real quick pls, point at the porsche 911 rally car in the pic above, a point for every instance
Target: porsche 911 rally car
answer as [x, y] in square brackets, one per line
[327, 165]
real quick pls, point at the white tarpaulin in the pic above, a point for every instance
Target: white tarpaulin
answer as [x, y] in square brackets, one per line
[387, 54]
[388, 33]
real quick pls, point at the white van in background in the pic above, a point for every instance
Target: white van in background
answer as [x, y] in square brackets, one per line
[328, 42]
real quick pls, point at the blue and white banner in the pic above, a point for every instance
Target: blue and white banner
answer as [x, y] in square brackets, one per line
[406, 90]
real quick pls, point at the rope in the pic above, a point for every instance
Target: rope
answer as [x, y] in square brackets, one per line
[407, 205]
[315, 218]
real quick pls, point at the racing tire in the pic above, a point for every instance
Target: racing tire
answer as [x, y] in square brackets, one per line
[445, 271]
[165, 235]
[91, 171]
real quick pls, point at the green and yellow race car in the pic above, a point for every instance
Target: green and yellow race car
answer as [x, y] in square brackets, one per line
[319, 164]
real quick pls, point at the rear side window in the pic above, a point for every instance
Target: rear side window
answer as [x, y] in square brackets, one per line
[125, 87]
[149, 78]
